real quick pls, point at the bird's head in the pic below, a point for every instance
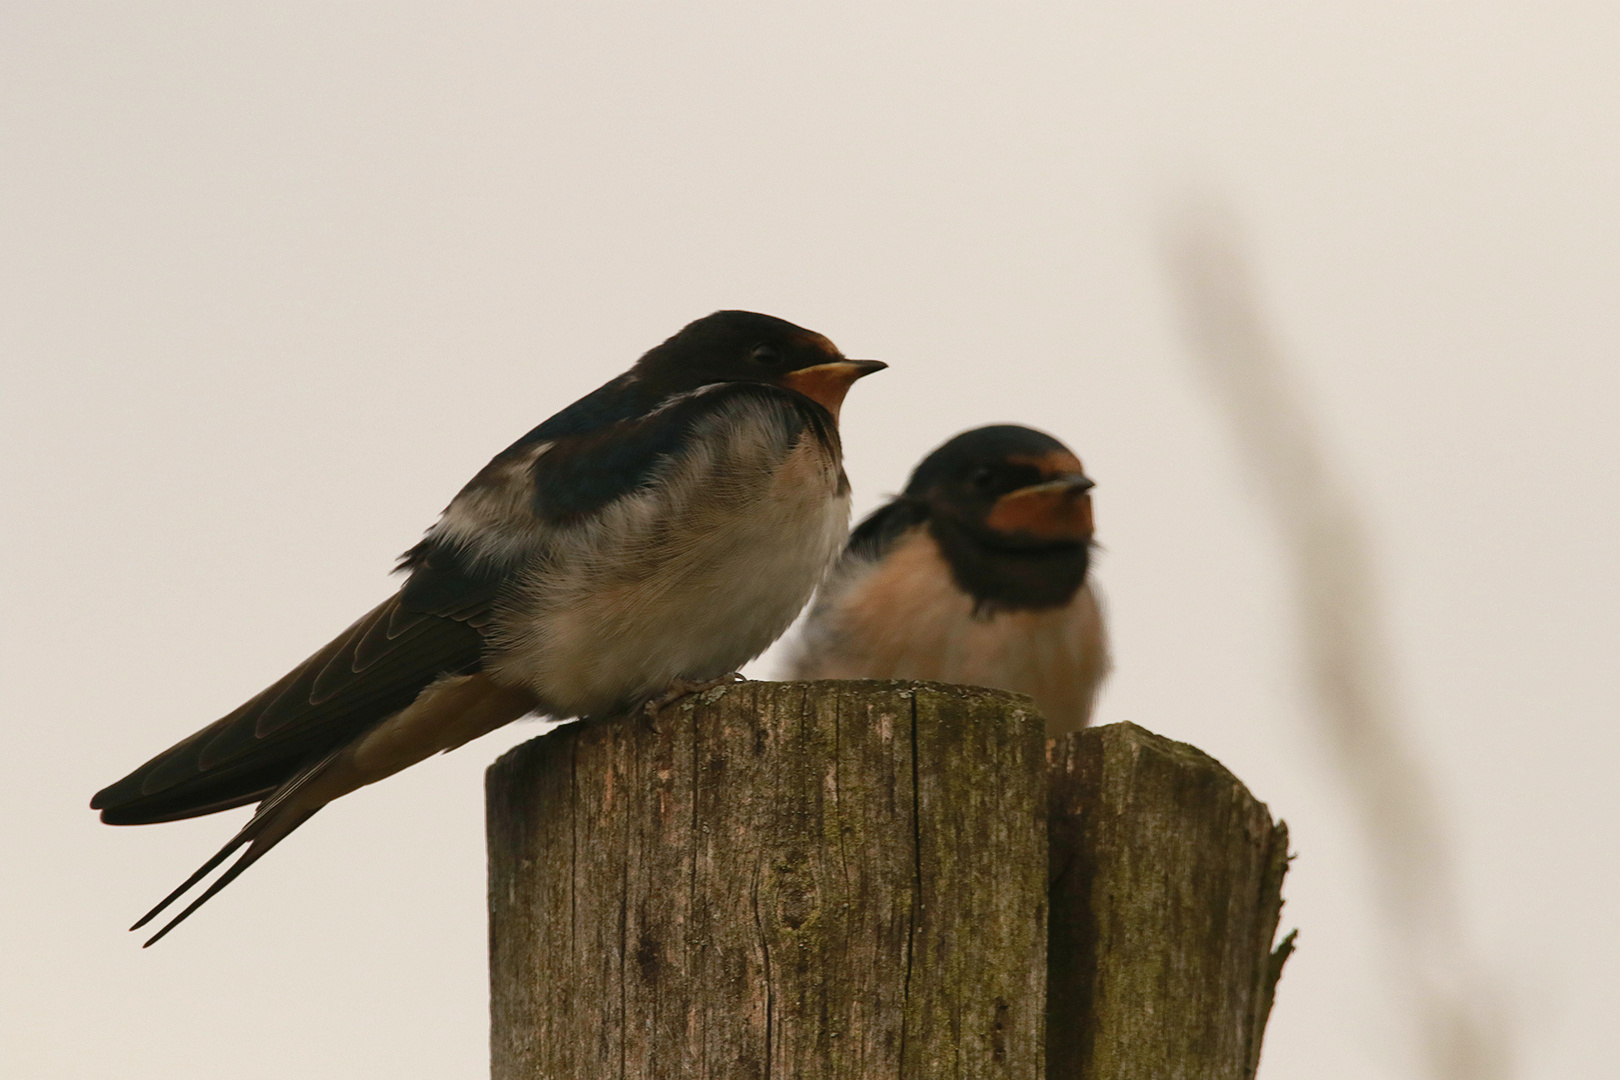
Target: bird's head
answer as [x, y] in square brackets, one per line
[1009, 486]
[744, 346]
[1010, 509]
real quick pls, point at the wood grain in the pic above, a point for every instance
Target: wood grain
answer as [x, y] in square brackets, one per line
[1166, 894]
[835, 880]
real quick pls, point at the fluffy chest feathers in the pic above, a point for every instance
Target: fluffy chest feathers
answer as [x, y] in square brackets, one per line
[689, 576]
[903, 617]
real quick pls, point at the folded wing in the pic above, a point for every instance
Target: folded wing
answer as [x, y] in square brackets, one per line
[370, 671]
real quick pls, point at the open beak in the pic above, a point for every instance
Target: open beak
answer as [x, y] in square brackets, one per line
[1052, 510]
[826, 384]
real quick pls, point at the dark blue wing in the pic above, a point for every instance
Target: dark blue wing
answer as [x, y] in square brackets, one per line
[376, 667]
[583, 472]
[880, 529]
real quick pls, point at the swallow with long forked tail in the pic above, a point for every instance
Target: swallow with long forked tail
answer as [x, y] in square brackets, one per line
[653, 536]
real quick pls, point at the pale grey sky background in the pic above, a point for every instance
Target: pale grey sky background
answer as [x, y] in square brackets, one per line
[274, 283]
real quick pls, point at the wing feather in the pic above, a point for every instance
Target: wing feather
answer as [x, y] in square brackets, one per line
[875, 536]
[373, 669]
[434, 626]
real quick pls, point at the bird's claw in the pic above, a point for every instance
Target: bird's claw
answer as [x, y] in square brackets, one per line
[647, 715]
[649, 710]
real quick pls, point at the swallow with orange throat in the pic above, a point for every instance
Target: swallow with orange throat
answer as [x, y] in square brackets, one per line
[978, 573]
[651, 538]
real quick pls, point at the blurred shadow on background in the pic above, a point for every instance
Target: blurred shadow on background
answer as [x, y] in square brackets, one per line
[1330, 575]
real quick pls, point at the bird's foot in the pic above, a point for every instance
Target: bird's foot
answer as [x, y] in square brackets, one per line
[678, 689]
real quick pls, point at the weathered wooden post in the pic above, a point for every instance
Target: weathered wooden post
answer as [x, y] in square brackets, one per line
[839, 880]
[1166, 892]
[851, 881]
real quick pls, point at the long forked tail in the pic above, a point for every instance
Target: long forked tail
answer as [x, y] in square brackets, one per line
[453, 711]
[276, 819]
[274, 829]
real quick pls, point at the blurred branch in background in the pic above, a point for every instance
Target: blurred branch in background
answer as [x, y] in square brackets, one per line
[1342, 641]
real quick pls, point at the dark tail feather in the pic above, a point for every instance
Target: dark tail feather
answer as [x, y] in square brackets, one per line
[202, 871]
[264, 832]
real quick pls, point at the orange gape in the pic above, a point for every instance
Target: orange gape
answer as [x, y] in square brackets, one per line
[1055, 509]
[826, 384]
[1043, 513]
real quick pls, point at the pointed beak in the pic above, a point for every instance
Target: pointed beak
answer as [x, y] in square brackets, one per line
[1070, 483]
[826, 384]
[1058, 509]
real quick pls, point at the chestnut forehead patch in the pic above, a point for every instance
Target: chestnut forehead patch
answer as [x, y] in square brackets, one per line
[1052, 464]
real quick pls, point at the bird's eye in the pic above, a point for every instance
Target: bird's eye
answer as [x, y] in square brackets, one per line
[766, 354]
[983, 478]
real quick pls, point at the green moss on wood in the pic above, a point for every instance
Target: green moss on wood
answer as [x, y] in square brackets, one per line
[1166, 893]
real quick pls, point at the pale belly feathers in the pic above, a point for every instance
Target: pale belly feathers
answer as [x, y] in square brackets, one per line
[903, 618]
[686, 580]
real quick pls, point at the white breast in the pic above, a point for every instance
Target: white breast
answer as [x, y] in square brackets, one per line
[904, 618]
[688, 579]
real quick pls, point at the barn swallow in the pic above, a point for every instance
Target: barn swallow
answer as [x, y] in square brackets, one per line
[976, 574]
[658, 533]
